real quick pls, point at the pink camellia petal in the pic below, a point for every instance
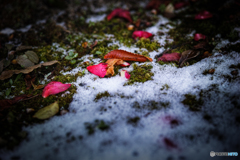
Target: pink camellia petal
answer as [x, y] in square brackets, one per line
[203, 15]
[54, 88]
[141, 34]
[124, 64]
[170, 57]
[180, 5]
[125, 74]
[199, 36]
[118, 12]
[99, 69]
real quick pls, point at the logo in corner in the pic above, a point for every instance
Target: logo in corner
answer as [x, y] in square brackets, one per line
[212, 154]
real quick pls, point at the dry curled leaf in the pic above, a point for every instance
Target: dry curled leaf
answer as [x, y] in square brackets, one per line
[32, 56]
[8, 74]
[186, 55]
[24, 61]
[22, 48]
[47, 112]
[126, 56]
[36, 87]
[111, 63]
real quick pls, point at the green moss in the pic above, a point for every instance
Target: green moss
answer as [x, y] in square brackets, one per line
[174, 64]
[165, 86]
[133, 121]
[68, 77]
[140, 74]
[148, 44]
[100, 124]
[192, 102]
[101, 95]
[151, 105]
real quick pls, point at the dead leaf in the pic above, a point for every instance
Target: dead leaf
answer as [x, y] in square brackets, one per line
[84, 44]
[32, 56]
[22, 48]
[47, 112]
[8, 74]
[169, 11]
[111, 63]
[126, 56]
[36, 87]
[28, 80]
[203, 46]
[186, 55]
[24, 61]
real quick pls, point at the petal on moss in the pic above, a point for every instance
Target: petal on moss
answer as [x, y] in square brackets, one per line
[199, 36]
[99, 69]
[141, 34]
[125, 74]
[203, 15]
[54, 88]
[170, 57]
[118, 12]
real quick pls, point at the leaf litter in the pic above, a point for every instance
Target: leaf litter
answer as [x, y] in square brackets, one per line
[151, 94]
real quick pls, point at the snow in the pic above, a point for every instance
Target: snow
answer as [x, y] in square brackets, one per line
[66, 137]
[7, 31]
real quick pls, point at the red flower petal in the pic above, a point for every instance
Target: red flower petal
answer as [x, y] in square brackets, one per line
[199, 36]
[203, 15]
[99, 70]
[125, 74]
[118, 12]
[141, 34]
[54, 88]
[180, 5]
[170, 57]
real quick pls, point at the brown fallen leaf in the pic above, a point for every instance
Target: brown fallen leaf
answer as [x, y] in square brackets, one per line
[36, 87]
[111, 63]
[9, 73]
[203, 46]
[84, 44]
[126, 56]
[22, 48]
[186, 55]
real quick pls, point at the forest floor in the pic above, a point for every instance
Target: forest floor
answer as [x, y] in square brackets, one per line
[177, 106]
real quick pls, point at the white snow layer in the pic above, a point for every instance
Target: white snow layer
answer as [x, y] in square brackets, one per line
[65, 137]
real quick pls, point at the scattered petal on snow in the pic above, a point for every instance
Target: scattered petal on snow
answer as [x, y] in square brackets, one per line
[118, 12]
[199, 36]
[141, 34]
[203, 15]
[170, 57]
[47, 112]
[125, 74]
[54, 88]
[99, 69]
